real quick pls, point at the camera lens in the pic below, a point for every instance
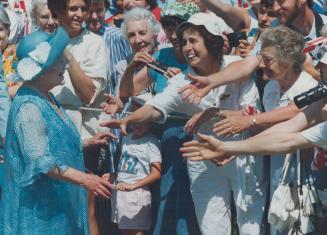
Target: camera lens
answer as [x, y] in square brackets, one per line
[310, 96]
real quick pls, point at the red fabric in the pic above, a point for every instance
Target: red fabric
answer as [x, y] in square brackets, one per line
[21, 5]
[156, 13]
[319, 159]
[240, 4]
[109, 20]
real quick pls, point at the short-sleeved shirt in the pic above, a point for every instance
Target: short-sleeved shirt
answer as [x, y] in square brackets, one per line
[90, 51]
[136, 158]
[272, 97]
[167, 57]
[317, 135]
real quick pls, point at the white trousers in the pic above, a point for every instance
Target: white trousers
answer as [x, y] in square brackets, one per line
[212, 188]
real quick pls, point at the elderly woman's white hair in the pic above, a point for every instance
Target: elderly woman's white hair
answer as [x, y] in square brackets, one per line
[36, 4]
[139, 13]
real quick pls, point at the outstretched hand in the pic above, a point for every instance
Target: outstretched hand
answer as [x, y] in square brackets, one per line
[194, 123]
[231, 124]
[99, 138]
[116, 123]
[197, 89]
[112, 105]
[205, 148]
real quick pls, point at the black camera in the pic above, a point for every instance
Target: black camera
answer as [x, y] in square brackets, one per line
[234, 38]
[312, 95]
[158, 67]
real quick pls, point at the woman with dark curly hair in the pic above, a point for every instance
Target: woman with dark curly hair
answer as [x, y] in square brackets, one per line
[211, 187]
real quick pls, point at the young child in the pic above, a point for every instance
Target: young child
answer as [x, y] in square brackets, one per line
[139, 166]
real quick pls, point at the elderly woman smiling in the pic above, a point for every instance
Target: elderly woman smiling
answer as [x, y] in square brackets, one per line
[141, 29]
[211, 187]
[42, 17]
[44, 166]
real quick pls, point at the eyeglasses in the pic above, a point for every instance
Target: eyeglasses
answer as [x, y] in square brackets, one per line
[267, 60]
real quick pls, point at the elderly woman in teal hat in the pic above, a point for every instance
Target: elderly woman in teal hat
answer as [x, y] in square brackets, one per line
[44, 168]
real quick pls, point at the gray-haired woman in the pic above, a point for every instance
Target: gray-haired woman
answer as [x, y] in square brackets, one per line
[141, 29]
[42, 17]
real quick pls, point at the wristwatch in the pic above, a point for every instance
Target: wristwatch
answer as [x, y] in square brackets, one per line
[253, 120]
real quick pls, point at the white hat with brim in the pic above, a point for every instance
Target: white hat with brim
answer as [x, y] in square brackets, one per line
[211, 24]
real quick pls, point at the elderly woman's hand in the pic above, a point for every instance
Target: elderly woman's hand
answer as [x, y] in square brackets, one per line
[140, 59]
[97, 185]
[112, 105]
[232, 124]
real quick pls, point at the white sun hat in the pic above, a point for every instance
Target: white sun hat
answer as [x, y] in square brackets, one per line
[212, 25]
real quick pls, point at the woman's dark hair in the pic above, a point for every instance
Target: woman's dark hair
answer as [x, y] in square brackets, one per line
[213, 43]
[171, 21]
[267, 3]
[152, 4]
[56, 6]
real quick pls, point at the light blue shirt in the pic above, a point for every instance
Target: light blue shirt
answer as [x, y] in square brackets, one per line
[4, 102]
[167, 57]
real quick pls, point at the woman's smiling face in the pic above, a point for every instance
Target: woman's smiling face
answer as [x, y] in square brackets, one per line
[73, 18]
[194, 49]
[140, 36]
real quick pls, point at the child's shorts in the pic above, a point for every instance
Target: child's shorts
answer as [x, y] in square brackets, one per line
[132, 210]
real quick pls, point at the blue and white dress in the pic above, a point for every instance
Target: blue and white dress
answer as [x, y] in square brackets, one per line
[38, 139]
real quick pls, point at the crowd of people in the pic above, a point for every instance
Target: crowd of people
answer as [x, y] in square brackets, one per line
[163, 117]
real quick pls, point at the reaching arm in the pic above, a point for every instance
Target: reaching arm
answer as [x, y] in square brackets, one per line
[208, 147]
[268, 119]
[232, 124]
[304, 119]
[235, 17]
[267, 144]
[235, 72]
[147, 113]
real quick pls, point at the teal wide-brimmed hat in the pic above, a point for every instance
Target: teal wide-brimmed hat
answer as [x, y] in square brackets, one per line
[38, 51]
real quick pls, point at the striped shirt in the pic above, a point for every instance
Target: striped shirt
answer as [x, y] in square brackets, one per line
[118, 49]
